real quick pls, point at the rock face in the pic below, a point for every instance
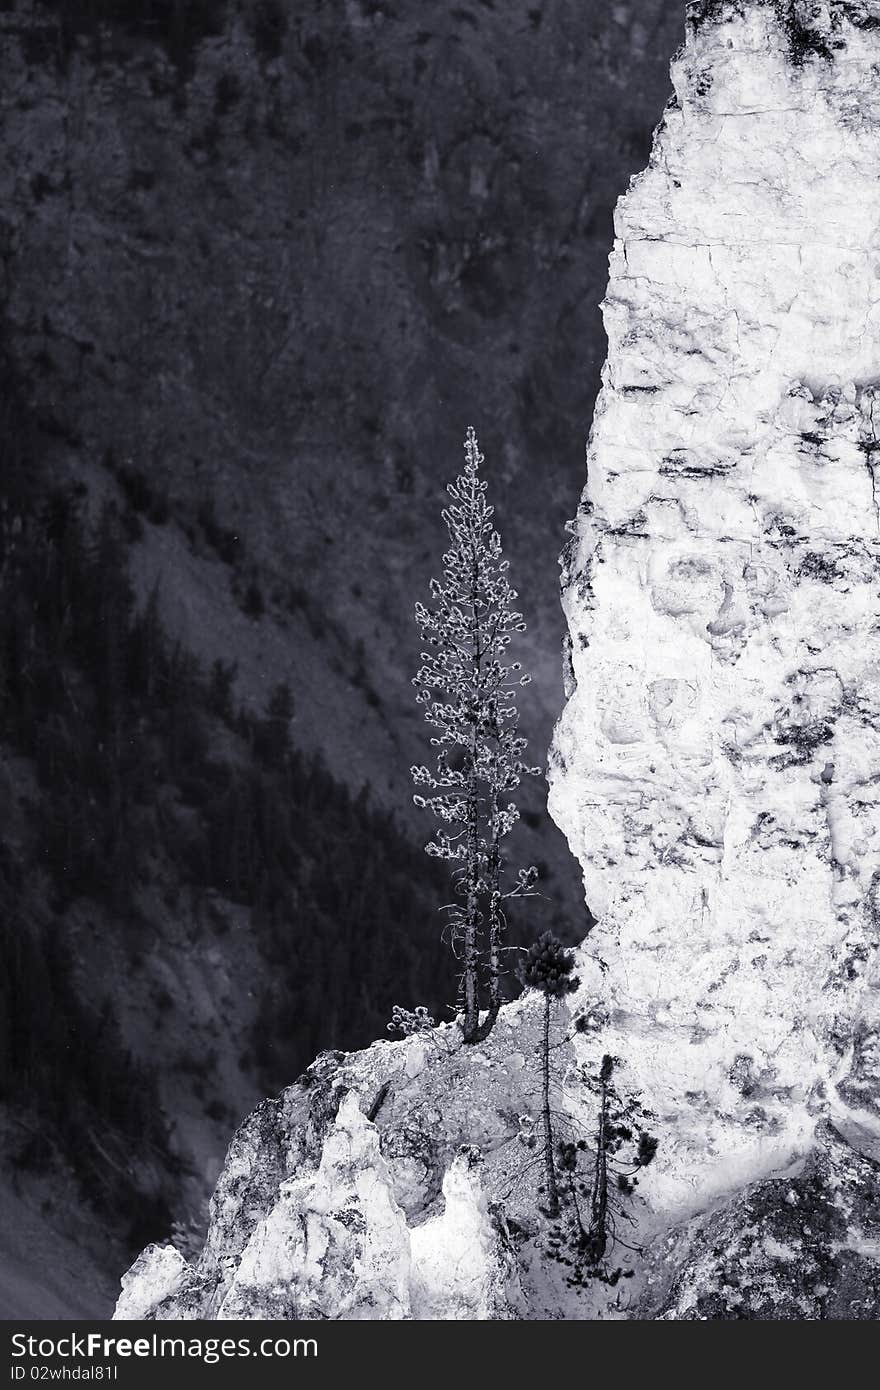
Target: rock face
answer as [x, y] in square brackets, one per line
[716, 771]
[322, 1212]
[717, 766]
[799, 1246]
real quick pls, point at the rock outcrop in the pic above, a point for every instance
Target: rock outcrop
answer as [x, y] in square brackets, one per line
[716, 771]
[323, 1212]
[717, 766]
[801, 1245]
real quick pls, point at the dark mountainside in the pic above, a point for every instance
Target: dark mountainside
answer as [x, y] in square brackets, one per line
[261, 264]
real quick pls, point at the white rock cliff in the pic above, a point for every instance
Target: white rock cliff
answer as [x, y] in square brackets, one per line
[716, 771]
[717, 766]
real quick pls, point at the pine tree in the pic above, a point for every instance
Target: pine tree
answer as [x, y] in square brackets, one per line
[548, 967]
[467, 684]
[586, 1235]
[598, 1232]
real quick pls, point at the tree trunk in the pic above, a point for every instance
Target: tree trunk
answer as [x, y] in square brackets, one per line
[471, 997]
[549, 1164]
[599, 1196]
[496, 924]
[496, 934]
[471, 949]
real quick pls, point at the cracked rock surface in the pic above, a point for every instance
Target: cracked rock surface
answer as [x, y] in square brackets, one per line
[717, 765]
[384, 1184]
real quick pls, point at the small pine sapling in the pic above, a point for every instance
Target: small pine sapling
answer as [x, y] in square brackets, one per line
[549, 968]
[466, 684]
[406, 1022]
[622, 1148]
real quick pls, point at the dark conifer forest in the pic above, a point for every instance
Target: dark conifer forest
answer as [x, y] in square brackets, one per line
[140, 754]
[260, 266]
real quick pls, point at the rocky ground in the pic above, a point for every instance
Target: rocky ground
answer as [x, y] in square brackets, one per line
[403, 1182]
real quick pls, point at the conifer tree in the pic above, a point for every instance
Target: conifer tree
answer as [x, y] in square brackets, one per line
[466, 683]
[587, 1235]
[548, 967]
